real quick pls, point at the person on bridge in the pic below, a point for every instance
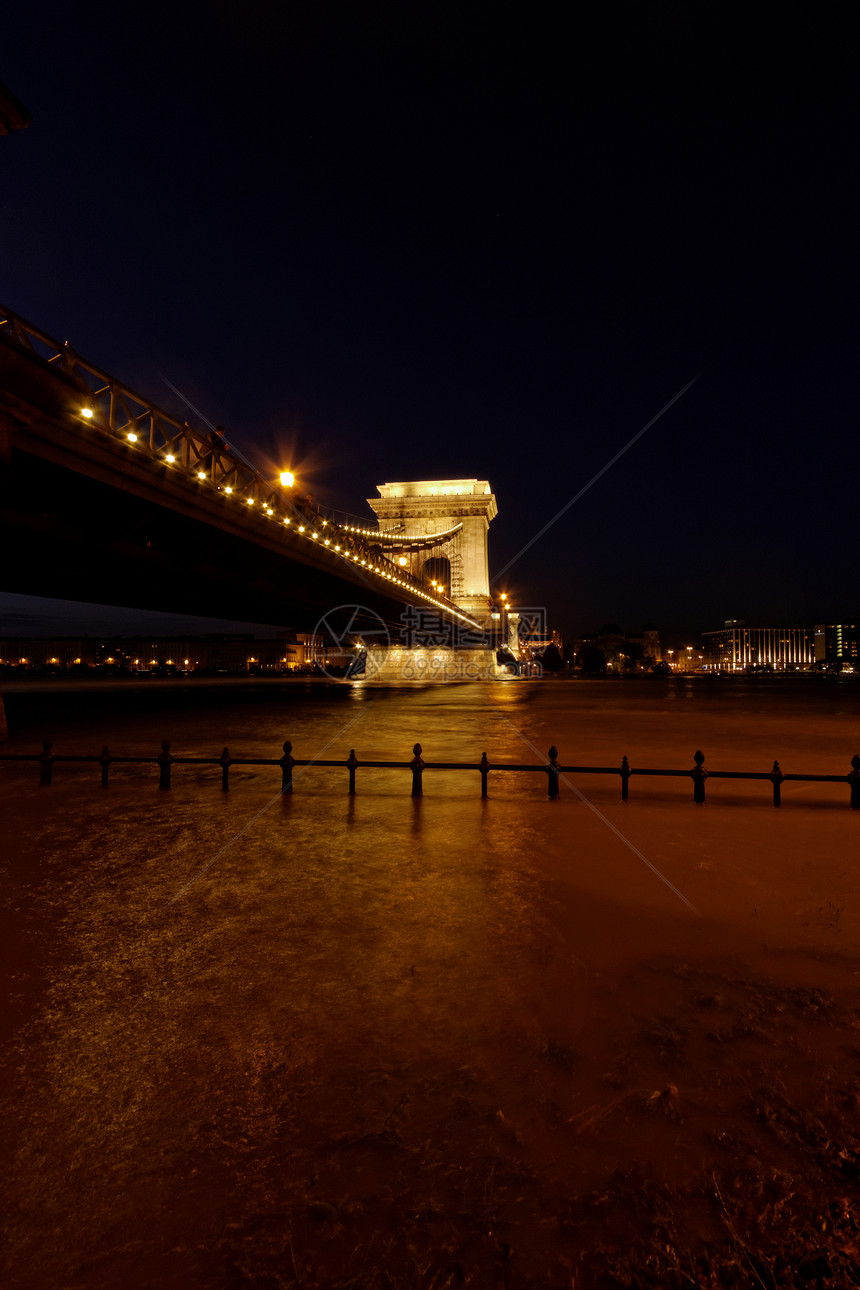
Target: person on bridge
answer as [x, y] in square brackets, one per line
[216, 440]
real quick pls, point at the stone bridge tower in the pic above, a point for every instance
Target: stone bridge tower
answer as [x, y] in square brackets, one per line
[436, 505]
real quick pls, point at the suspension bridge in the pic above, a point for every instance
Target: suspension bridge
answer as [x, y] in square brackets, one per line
[106, 497]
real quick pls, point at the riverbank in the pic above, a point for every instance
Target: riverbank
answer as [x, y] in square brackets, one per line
[378, 1041]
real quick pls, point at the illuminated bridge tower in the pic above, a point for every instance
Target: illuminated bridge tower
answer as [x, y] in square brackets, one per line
[436, 506]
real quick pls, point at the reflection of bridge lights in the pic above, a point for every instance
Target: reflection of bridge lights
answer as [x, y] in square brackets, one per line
[86, 412]
[287, 479]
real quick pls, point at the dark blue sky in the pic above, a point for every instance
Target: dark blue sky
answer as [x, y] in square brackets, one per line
[401, 241]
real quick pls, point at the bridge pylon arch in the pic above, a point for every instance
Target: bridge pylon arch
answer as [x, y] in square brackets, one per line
[422, 508]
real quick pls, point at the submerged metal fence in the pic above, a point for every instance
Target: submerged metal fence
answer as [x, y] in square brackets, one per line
[552, 768]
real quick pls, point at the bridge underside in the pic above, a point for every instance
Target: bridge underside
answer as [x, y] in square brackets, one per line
[83, 518]
[86, 540]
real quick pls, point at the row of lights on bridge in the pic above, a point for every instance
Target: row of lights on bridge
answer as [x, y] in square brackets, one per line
[287, 480]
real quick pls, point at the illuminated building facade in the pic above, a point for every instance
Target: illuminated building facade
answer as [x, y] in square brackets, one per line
[738, 648]
[838, 643]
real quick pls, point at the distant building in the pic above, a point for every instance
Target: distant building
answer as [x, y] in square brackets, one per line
[652, 651]
[623, 651]
[531, 647]
[688, 659]
[233, 653]
[740, 648]
[837, 643]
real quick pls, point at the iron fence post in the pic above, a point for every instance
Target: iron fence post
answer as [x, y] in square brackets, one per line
[854, 781]
[625, 776]
[46, 764]
[225, 761]
[287, 764]
[553, 771]
[164, 759]
[699, 775]
[417, 766]
[352, 762]
[485, 770]
[777, 777]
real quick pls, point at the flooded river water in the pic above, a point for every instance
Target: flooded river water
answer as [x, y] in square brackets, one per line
[255, 1039]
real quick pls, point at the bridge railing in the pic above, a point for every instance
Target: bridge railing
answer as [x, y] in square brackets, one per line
[552, 768]
[112, 407]
[110, 404]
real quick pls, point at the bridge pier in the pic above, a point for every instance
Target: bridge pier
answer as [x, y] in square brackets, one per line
[427, 507]
[395, 664]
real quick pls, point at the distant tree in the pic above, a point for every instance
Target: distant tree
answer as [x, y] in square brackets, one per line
[551, 658]
[632, 654]
[592, 659]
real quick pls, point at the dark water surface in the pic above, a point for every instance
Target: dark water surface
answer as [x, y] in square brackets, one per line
[315, 1040]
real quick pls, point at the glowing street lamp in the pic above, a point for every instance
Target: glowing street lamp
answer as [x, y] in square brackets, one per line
[287, 479]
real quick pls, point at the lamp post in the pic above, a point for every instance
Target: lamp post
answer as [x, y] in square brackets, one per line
[503, 605]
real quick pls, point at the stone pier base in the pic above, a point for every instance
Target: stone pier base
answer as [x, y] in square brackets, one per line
[398, 663]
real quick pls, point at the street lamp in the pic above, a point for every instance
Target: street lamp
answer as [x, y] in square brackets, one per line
[287, 479]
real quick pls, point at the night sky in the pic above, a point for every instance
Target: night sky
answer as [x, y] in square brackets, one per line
[407, 241]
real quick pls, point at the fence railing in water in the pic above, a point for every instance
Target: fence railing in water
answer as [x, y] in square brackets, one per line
[552, 768]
